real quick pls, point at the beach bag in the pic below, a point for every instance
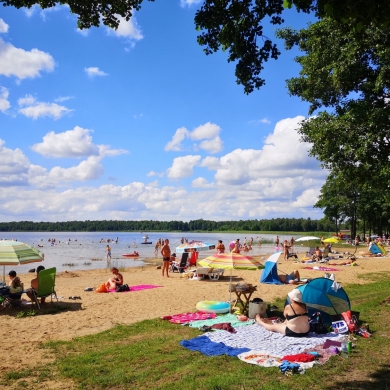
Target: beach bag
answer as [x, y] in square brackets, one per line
[102, 289]
[316, 324]
[122, 288]
[351, 321]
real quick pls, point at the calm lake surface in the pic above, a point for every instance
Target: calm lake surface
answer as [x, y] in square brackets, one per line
[85, 251]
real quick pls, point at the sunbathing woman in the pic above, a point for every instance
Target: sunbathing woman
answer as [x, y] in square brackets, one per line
[115, 281]
[297, 319]
[345, 262]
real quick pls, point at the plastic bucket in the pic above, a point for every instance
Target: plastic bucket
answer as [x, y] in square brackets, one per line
[257, 308]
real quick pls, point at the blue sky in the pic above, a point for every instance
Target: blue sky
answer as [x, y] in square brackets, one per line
[139, 123]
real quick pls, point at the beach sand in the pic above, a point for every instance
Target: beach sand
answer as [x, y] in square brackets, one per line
[96, 312]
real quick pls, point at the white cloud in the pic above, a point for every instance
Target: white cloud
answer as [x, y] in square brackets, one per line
[127, 29]
[206, 131]
[4, 103]
[177, 139]
[61, 99]
[188, 3]
[264, 120]
[94, 71]
[27, 100]
[44, 109]
[182, 167]
[70, 143]
[209, 132]
[212, 146]
[201, 182]
[3, 26]
[23, 64]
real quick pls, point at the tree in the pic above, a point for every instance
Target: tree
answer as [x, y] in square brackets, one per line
[347, 73]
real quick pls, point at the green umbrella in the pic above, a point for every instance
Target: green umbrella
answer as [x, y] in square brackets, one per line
[16, 252]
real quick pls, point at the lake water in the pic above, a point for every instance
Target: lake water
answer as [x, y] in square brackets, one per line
[85, 251]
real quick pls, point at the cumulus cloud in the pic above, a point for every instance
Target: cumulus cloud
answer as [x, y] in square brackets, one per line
[70, 143]
[23, 64]
[183, 167]
[61, 99]
[127, 29]
[264, 120]
[31, 108]
[209, 133]
[93, 71]
[177, 139]
[278, 180]
[3, 26]
[4, 103]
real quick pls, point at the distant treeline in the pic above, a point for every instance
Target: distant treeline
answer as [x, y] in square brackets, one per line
[278, 224]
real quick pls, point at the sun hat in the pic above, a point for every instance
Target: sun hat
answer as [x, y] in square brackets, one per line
[295, 295]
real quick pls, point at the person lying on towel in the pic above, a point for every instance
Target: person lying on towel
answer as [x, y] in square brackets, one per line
[293, 278]
[297, 318]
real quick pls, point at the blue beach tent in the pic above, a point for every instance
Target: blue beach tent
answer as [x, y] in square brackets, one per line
[374, 249]
[321, 295]
[269, 274]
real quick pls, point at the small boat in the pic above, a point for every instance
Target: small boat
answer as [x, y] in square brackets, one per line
[146, 242]
[130, 255]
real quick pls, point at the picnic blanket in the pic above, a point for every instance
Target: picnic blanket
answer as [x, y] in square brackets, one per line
[231, 318]
[256, 338]
[186, 318]
[204, 345]
[139, 287]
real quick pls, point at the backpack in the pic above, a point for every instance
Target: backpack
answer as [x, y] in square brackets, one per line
[122, 288]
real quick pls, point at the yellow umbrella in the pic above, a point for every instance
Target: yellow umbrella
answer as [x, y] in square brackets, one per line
[331, 240]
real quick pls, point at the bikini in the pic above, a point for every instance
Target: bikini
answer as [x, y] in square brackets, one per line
[289, 332]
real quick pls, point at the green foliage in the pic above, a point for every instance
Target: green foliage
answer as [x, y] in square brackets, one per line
[277, 224]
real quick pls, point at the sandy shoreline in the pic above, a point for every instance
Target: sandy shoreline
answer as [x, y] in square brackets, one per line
[97, 312]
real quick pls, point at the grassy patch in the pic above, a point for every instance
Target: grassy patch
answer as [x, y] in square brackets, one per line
[147, 355]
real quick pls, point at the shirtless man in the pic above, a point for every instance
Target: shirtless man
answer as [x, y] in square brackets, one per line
[34, 285]
[166, 254]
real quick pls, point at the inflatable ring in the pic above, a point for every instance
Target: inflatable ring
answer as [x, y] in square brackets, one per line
[213, 306]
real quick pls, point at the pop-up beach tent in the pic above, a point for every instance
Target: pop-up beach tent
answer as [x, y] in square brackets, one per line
[325, 296]
[269, 274]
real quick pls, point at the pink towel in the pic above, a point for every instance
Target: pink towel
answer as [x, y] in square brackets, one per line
[139, 287]
[188, 317]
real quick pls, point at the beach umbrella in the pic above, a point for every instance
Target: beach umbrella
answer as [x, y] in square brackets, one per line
[307, 238]
[331, 240]
[194, 246]
[231, 261]
[16, 252]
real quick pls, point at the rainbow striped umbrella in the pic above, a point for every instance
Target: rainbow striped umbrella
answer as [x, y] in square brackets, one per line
[195, 246]
[231, 261]
[16, 252]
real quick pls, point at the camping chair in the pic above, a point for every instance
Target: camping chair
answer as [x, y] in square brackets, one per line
[215, 273]
[12, 300]
[46, 284]
[311, 252]
[182, 265]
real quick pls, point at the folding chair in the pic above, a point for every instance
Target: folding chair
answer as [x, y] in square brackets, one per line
[46, 284]
[11, 300]
[182, 265]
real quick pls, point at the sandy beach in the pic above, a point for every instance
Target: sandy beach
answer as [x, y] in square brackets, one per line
[96, 312]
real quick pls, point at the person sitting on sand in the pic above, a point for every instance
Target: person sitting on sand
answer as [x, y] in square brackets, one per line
[297, 318]
[317, 255]
[293, 278]
[115, 281]
[345, 262]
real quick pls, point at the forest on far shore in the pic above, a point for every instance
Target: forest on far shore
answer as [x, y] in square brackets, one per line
[277, 224]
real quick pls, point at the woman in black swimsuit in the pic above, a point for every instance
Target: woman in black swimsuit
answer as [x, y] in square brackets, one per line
[297, 319]
[115, 281]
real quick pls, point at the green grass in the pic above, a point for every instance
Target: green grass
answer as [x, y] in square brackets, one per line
[147, 355]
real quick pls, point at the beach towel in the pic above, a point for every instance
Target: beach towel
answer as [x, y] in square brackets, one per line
[204, 345]
[257, 338]
[185, 318]
[138, 288]
[321, 268]
[231, 318]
